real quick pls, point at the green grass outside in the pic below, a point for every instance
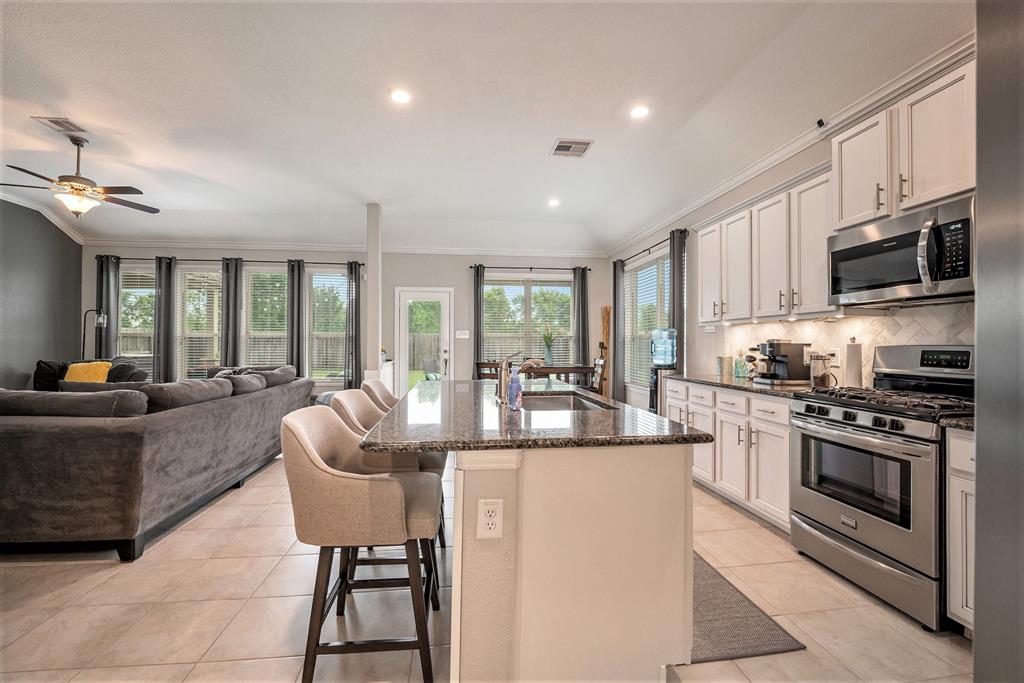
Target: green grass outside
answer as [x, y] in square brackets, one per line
[416, 376]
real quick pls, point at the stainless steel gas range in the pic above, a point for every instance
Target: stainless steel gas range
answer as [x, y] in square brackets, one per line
[867, 469]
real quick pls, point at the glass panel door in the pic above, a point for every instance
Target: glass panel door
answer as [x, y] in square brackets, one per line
[423, 327]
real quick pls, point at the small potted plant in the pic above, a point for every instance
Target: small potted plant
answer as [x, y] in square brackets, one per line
[549, 338]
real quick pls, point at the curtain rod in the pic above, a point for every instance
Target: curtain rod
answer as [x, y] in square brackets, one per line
[529, 268]
[648, 250]
[217, 260]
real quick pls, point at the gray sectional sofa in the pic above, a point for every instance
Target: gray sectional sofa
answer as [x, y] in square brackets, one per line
[109, 468]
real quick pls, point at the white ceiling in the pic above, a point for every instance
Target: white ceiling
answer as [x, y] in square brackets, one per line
[270, 123]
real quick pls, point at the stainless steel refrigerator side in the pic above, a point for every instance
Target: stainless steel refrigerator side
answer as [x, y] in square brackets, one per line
[999, 581]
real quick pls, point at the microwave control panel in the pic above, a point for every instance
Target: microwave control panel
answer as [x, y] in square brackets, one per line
[956, 250]
[935, 358]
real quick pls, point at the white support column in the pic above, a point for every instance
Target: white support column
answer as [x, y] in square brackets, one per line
[372, 317]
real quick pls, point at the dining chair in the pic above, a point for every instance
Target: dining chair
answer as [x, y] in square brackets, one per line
[379, 394]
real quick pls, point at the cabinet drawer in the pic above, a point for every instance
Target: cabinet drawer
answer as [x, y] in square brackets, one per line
[701, 394]
[960, 452]
[675, 390]
[771, 411]
[734, 403]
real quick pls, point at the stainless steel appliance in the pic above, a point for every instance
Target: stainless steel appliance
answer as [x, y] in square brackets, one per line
[784, 364]
[867, 470]
[913, 258]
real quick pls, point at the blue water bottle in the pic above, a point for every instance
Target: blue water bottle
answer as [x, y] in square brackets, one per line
[515, 391]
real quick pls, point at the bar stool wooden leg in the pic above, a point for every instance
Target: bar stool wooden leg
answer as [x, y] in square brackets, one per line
[412, 558]
[320, 588]
[430, 590]
[344, 559]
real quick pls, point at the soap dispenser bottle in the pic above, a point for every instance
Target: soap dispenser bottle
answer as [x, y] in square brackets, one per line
[515, 391]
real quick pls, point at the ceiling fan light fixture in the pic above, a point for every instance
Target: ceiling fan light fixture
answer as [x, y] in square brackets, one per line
[77, 203]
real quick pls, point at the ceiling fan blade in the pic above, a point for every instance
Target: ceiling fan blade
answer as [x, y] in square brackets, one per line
[34, 187]
[25, 170]
[117, 189]
[130, 205]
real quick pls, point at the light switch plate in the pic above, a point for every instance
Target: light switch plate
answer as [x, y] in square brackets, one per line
[709, 329]
[462, 334]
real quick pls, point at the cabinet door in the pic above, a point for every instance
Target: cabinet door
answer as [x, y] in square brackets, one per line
[937, 131]
[675, 411]
[771, 257]
[960, 549]
[769, 465]
[731, 439]
[709, 273]
[810, 224]
[860, 170]
[736, 267]
[703, 454]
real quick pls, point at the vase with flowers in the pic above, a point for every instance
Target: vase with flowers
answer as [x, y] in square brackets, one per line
[549, 336]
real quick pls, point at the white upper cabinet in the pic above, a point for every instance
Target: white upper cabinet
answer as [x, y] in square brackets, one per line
[810, 224]
[937, 131]
[736, 267]
[709, 274]
[771, 292]
[861, 171]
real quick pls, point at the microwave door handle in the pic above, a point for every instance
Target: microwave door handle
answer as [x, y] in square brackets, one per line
[922, 256]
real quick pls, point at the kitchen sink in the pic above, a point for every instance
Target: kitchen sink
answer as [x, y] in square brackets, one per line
[562, 402]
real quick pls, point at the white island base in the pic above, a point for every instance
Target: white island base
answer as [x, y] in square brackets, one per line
[592, 578]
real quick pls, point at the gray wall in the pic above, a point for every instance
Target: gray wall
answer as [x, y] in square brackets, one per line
[999, 563]
[40, 294]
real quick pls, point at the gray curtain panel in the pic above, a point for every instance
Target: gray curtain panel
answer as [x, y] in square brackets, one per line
[677, 292]
[353, 331]
[580, 316]
[619, 330]
[164, 320]
[296, 351]
[231, 312]
[478, 316]
[108, 273]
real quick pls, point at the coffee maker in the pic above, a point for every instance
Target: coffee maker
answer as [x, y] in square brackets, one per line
[784, 363]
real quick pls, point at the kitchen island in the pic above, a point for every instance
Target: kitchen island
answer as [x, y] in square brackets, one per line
[589, 574]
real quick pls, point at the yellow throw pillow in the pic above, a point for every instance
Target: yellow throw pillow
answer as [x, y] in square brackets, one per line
[94, 371]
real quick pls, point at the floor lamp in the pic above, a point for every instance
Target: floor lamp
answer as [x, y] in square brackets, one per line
[100, 321]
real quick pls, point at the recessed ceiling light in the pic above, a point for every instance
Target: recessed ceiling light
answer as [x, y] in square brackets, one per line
[400, 96]
[553, 203]
[640, 111]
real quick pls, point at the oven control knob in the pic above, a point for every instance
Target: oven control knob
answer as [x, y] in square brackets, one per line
[809, 409]
[879, 422]
[896, 425]
[849, 416]
[823, 411]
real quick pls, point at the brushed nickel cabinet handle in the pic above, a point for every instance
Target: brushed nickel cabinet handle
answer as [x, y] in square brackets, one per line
[765, 410]
[714, 309]
[739, 435]
[781, 295]
[903, 182]
[793, 294]
[727, 403]
[878, 196]
[750, 437]
[723, 306]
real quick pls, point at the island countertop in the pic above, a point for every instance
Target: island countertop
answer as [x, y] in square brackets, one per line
[463, 415]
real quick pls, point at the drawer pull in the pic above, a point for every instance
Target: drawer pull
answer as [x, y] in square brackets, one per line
[727, 403]
[765, 410]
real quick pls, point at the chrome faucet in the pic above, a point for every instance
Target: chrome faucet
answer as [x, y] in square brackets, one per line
[504, 377]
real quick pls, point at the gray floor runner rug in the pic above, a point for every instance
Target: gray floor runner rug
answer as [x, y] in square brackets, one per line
[727, 625]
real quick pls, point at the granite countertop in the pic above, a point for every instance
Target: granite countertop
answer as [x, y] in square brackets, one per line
[965, 423]
[464, 415]
[741, 384]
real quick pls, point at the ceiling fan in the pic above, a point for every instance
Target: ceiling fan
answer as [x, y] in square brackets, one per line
[78, 193]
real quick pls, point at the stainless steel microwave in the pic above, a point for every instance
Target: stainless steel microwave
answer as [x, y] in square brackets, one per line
[914, 258]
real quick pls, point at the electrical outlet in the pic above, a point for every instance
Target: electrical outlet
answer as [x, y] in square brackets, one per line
[835, 357]
[490, 518]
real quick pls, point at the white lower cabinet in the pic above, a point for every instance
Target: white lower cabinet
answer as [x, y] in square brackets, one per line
[703, 455]
[769, 468]
[960, 533]
[732, 454]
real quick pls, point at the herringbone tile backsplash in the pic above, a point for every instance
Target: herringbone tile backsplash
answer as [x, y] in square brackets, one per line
[934, 324]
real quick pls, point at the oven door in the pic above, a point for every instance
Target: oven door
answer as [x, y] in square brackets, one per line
[880, 491]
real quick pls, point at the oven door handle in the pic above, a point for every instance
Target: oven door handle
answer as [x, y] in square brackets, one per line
[903, 450]
[922, 255]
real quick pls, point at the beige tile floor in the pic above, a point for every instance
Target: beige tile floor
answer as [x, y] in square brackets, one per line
[226, 596]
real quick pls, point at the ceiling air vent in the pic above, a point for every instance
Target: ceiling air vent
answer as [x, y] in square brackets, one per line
[60, 124]
[571, 148]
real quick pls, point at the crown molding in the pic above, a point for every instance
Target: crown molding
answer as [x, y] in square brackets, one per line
[46, 212]
[953, 54]
[462, 251]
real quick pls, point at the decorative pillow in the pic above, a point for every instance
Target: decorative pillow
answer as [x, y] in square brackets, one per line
[282, 375]
[224, 373]
[84, 387]
[246, 384]
[121, 372]
[184, 393]
[93, 371]
[73, 404]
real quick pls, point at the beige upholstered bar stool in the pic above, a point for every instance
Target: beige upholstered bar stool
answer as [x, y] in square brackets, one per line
[379, 394]
[345, 509]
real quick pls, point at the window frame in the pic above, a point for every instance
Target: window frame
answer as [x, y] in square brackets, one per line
[150, 270]
[307, 332]
[184, 268]
[663, 297]
[528, 282]
[246, 297]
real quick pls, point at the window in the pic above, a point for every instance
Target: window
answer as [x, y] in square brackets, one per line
[647, 306]
[136, 308]
[198, 322]
[521, 316]
[265, 318]
[328, 320]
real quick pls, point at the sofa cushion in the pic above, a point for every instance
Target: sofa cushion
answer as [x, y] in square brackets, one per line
[88, 371]
[168, 395]
[65, 385]
[282, 375]
[73, 404]
[246, 384]
[121, 372]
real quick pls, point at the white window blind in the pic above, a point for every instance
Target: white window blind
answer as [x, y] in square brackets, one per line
[518, 314]
[328, 319]
[647, 308]
[136, 308]
[198, 322]
[265, 318]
